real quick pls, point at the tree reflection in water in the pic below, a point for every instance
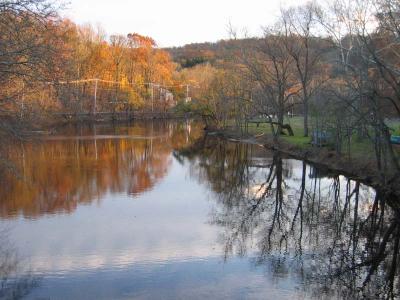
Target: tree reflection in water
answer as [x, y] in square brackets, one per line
[338, 237]
[82, 164]
[12, 284]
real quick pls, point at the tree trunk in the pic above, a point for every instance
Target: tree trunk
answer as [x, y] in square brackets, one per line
[280, 120]
[305, 105]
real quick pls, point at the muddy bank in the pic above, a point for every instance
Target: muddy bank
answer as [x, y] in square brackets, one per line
[360, 170]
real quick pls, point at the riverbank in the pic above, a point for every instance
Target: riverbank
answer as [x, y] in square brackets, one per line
[363, 170]
[118, 116]
[50, 124]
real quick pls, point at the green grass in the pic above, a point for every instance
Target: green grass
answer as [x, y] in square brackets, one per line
[394, 125]
[300, 141]
[296, 123]
[396, 131]
[297, 126]
[359, 149]
[262, 128]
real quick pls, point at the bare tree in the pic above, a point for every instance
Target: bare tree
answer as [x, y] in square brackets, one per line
[300, 43]
[28, 46]
[272, 68]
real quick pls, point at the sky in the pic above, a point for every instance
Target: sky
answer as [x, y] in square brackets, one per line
[177, 22]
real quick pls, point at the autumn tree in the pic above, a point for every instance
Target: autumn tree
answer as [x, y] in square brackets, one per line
[28, 54]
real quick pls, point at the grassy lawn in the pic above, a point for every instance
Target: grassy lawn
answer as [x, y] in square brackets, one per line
[359, 149]
[394, 124]
[300, 141]
[297, 126]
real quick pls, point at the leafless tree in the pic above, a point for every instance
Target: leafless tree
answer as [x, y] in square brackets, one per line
[300, 26]
[28, 44]
[272, 68]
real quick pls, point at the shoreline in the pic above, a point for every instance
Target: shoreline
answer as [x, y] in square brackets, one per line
[50, 126]
[363, 171]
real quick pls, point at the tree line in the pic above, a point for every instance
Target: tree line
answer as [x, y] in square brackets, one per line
[45, 60]
[335, 64]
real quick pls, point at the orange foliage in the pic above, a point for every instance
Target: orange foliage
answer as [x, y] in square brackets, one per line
[67, 171]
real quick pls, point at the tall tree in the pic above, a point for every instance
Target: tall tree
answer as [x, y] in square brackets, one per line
[30, 43]
[299, 23]
[272, 68]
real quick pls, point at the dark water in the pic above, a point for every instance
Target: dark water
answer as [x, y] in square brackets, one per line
[157, 211]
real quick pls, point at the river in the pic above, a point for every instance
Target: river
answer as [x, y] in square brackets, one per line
[157, 210]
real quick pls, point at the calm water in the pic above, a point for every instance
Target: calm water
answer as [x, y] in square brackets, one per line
[158, 211]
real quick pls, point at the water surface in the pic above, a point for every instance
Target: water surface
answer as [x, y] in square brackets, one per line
[158, 211]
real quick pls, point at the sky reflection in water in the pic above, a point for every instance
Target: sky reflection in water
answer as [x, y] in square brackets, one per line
[171, 217]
